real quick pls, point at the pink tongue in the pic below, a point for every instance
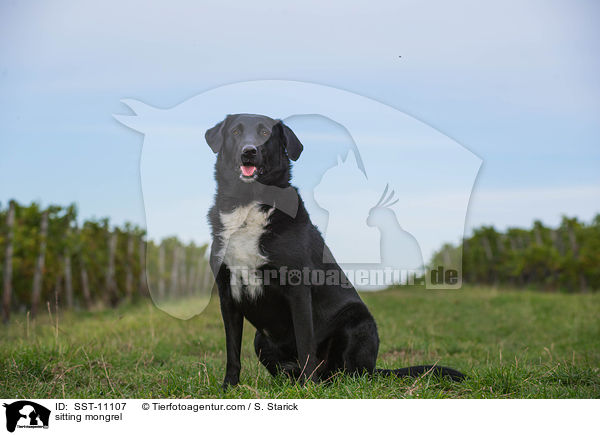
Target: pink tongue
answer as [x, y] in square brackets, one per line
[248, 170]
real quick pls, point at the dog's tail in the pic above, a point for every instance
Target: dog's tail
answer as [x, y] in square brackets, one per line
[416, 371]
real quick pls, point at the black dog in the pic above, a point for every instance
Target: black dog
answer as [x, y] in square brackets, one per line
[261, 230]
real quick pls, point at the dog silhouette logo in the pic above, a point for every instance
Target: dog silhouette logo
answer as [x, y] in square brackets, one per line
[26, 414]
[353, 147]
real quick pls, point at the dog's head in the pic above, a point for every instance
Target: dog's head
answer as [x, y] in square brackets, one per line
[253, 148]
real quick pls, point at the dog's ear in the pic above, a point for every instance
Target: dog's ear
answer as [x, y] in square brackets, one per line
[290, 141]
[214, 136]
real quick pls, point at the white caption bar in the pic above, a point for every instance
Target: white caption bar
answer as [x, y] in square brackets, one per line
[164, 416]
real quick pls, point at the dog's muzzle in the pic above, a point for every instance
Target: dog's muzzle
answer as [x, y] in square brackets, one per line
[249, 165]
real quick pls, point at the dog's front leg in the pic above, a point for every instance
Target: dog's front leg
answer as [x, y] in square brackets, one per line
[233, 320]
[302, 318]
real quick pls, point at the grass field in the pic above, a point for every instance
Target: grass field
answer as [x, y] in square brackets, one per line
[512, 344]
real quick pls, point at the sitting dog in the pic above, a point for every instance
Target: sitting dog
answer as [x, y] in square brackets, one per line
[261, 229]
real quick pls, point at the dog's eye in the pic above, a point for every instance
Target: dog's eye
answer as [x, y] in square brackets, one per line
[264, 132]
[236, 132]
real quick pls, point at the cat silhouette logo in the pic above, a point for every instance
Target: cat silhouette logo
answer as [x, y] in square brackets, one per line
[26, 414]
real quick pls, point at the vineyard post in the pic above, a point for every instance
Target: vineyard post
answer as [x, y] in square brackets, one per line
[7, 276]
[68, 280]
[174, 271]
[207, 275]
[110, 290]
[161, 270]
[129, 272]
[191, 279]
[182, 288]
[487, 248]
[85, 286]
[142, 259]
[67, 272]
[39, 266]
[575, 249]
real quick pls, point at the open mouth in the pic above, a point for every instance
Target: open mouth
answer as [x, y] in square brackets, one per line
[248, 171]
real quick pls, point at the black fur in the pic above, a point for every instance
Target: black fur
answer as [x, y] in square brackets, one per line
[302, 331]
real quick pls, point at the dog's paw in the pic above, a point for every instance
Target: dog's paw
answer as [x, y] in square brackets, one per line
[230, 381]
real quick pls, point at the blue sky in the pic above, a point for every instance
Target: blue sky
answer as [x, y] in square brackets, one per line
[514, 82]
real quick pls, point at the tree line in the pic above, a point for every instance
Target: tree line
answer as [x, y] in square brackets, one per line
[565, 258]
[49, 257]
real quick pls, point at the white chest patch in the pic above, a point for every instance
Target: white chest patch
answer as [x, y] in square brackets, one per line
[242, 229]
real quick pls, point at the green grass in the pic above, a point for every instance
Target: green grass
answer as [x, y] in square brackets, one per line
[512, 344]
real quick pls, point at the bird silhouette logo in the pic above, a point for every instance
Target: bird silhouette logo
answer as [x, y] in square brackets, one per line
[398, 248]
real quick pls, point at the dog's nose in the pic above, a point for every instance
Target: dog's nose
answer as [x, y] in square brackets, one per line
[249, 151]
